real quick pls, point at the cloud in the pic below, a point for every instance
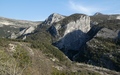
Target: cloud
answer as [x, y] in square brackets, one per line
[89, 10]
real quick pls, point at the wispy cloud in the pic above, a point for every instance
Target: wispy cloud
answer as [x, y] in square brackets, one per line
[86, 9]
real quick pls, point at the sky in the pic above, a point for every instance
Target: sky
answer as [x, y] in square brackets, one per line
[39, 10]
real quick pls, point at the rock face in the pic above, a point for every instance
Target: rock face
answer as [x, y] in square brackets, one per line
[70, 34]
[24, 32]
[53, 18]
[28, 30]
[108, 33]
[83, 24]
[111, 29]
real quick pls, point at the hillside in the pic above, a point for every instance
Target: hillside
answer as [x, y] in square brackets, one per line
[20, 58]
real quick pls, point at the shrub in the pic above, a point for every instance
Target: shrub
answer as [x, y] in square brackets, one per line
[22, 56]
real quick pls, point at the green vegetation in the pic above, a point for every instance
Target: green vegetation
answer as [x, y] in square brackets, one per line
[83, 72]
[13, 62]
[22, 56]
[42, 41]
[6, 31]
[48, 49]
[104, 49]
[101, 52]
[99, 18]
[3, 42]
[117, 41]
[110, 24]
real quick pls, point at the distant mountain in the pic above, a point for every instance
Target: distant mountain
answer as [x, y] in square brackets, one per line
[55, 17]
[99, 17]
[17, 23]
[9, 26]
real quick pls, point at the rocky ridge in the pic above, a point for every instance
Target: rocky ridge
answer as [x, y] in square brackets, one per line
[13, 26]
[17, 23]
[30, 29]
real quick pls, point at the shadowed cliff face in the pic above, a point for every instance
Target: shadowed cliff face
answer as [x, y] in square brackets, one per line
[71, 41]
[89, 35]
[75, 42]
[119, 34]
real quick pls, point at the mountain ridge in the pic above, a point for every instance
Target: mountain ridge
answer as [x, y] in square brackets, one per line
[81, 38]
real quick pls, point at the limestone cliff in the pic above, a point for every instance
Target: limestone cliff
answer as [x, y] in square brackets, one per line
[23, 33]
[71, 31]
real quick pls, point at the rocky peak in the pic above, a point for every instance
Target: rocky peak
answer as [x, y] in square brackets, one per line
[97, 13]
[53, 18]
[17, 23]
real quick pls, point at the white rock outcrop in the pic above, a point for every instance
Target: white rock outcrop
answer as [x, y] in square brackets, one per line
[11, 47]
[83, 24]
[24, 32]
[28, 30]
[13, 36]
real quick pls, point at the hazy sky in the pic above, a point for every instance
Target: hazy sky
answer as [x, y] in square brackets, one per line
[41, 9]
